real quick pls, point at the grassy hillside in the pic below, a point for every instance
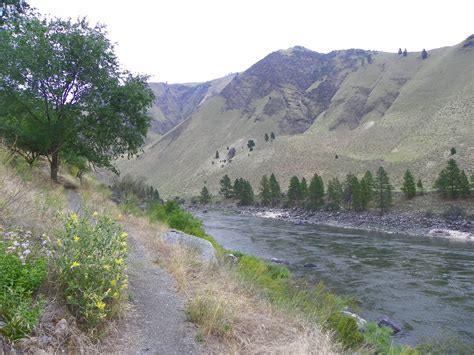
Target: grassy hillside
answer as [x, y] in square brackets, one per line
[398, 112]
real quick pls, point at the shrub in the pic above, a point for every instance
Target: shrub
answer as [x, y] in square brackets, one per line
[91, 265]
[20, 278]
[212, 312]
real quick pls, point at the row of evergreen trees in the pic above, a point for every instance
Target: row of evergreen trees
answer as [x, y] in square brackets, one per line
[352, 193]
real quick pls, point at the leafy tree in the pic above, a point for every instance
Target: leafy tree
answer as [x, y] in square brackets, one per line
[217, 154]
[405, 53]
[453, 151]
[448, 182]
[246, 194]
[265, 192]
[272, 136]
[424, 54]
[251, 144]
[62, 91]
[304, 189]
[334, 194]
[399, 51]
[12, 9]
[316, 192]
[409, 187]
[266, 137]
[366, 190]
[226, 187]
[275, 190]
[383, 190]
[352, 192]
[419, 186]
[205, 196]
[464, 186]
[294, 191]
[238, 183]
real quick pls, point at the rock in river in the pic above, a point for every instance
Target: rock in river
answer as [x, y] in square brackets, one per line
[385, 321]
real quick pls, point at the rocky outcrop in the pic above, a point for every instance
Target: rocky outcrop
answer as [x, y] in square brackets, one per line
[202, 246]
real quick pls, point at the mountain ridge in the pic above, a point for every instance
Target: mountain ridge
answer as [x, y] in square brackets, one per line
[369, 108]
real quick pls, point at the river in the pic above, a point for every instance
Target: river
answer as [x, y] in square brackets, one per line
[425, 284]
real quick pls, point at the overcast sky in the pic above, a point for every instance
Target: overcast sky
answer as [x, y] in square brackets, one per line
[198, 40]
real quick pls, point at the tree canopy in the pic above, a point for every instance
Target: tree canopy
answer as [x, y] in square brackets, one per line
[63, 92]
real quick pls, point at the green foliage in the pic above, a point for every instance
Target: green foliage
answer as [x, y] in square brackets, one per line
[346, 329]
[250, 144]
[64, 92]
[226, 187]
[246, 196]
[205, 196]
[304, 190]
[316, 192]
[90, 260]
[383, 190]
[294, 192]
[19, 281]
[366, 190]
[334, 194]
[265, 192]
[275, 190]
[452, 182]
[380, 339]
[133, 191]
[409, 187]
[352, 193]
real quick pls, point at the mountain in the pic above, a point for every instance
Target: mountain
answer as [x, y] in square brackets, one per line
[348, 110]
[176, 102]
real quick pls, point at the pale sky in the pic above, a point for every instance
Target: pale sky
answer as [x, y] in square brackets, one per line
[198, 40]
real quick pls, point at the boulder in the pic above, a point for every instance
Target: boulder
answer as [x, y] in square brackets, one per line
[359, 320]
[203, 246]
[385, 321]
[310, 265]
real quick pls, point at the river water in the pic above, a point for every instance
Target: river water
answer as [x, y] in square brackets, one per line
[425, 284]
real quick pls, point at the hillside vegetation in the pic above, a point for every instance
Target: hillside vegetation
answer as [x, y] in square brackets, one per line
[332, 113]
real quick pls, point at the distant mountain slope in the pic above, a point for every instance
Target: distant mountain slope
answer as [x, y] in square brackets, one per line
[176, 102]
[368, 108]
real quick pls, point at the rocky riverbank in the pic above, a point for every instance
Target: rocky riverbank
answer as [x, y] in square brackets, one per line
[455, 228]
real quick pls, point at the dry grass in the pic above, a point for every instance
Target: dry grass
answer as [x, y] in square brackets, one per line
[233, 316]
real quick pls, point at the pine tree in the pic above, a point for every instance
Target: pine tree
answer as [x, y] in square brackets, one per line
[448, 181]
[294, 192]
[237, 187]
[226, 187]
[265, 193]
[205, 197]
[405, 53]
[464, 186]
[246, 194]
[419, 186]
[217, 154]
[453, 151]
[272, 136]
[409, 187]
[275, 190]
[334, 194]
[399, 51]
[304, 190]
[316, 193]
[366, 190]
[424, 54]
[251, 144]
[383, 190]
[266, 137]
[351, 192]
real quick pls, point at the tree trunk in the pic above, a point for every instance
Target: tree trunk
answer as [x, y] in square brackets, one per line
[54, 165]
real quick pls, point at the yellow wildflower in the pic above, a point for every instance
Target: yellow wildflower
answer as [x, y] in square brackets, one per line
[95, 214]
[59, 242]
[113, 282]
[100, 305]
[107, 267]
[115, 295]
[124, 285]
[74, 218]
[119, 261]
[124, 235]
[75, 264]
[76, 238]
[124, 244]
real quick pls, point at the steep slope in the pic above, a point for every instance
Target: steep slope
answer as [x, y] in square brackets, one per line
[176, 102]
[366, 108]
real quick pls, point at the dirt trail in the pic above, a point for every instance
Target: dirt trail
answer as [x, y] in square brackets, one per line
[156, 322]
